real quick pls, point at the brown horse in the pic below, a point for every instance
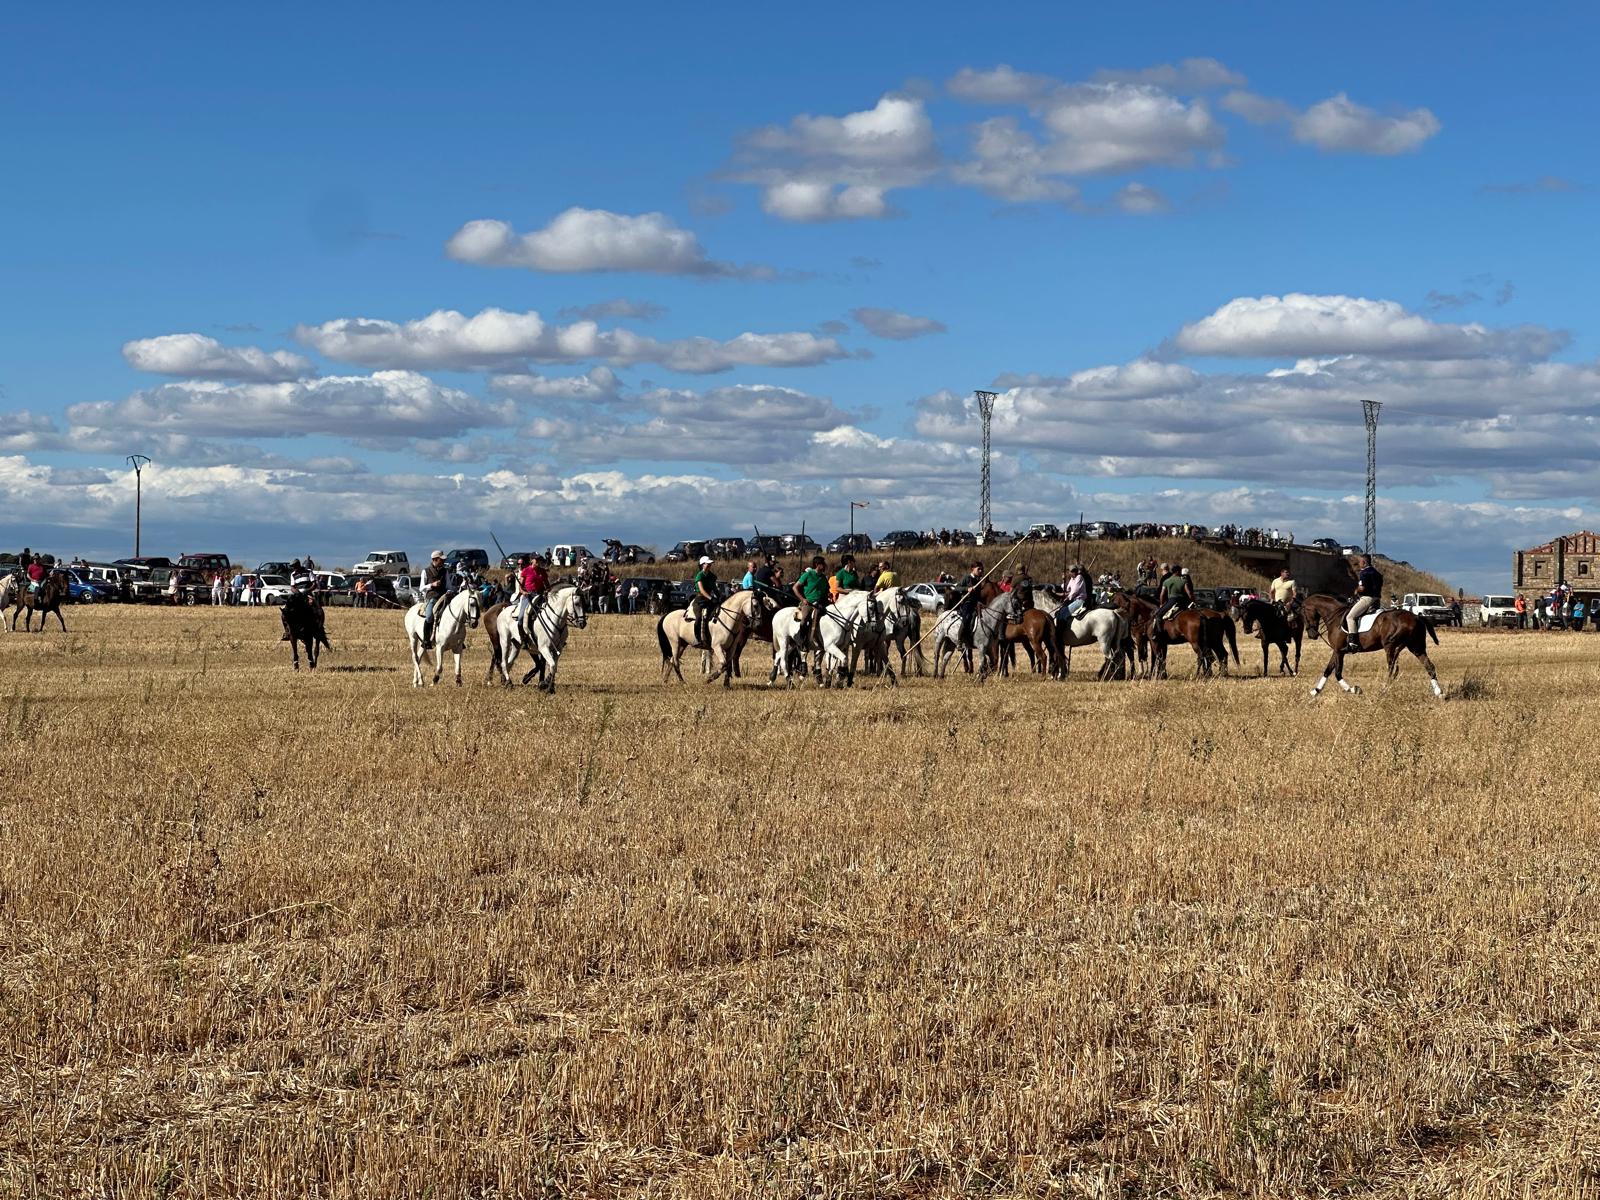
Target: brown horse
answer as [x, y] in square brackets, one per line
[1277, 629]
[302, 620]
[48, 599]
[1205, 630]
[1139, 613]
[1035, 631]
[1394, 630]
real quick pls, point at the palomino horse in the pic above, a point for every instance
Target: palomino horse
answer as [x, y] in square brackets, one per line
[52, 591]
[1210, 635]
[10, 594]
[302, 618]
[564, 606]
[735, 615]
[452, 619]
[1277, 629]
[1101, 626]
[1391, 631]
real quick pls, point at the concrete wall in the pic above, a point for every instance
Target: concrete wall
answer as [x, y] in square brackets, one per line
[1313, 570]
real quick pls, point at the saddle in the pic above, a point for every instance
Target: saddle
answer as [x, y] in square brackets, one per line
[1366, 622]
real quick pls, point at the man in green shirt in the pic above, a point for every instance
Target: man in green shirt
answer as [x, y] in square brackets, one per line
[811, 589]
[848, 579]
[705, 599]
[1177, 591]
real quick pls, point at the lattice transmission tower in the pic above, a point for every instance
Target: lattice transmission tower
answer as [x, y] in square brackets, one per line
[986, 412]
[1369, 409]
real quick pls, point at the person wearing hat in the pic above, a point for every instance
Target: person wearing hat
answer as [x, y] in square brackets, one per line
[706, 601]
[532, 586]
[1177, 592]
[1078, 592]
[435, 586]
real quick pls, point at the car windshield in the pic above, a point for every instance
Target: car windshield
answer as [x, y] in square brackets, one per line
[1497, 601]
[1426, 598]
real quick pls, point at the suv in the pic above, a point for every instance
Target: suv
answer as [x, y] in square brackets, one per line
[205, 563]
[1043, 531]
[900, 539]
[1498, 610]
[726, 547]
[849, 543]
[685, 552]
[273, 568]
[473, 560]
[1327, 544]
[390, 562]
[1103, 531]
[1427, 604]
[799, 543]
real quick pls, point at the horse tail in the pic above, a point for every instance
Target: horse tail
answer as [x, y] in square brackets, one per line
[661, 638]
[1228, 632]
[1428, 626]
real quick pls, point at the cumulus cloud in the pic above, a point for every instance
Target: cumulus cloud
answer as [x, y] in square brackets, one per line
[495, 339]
[598, 385]
[827, 168]
[1298, 326]
[592, 239]
[999, 85]
[387, 402]
[1338, 123]
[196, 356]
[1140, 200]
[896, 326]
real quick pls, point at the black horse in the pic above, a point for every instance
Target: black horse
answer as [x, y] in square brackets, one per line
[1277, 629]
[302, 618]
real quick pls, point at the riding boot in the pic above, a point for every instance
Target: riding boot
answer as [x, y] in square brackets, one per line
[1352, 643]
[427, 635]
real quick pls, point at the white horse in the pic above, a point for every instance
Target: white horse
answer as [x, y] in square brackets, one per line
[988, 628]
[1102, 626]
[675, 634]
[10, 593]
[844, 629]
[562, 607]
[451, 620]
[873, 637]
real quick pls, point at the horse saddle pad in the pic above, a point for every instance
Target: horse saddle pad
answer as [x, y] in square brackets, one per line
[1366, 622]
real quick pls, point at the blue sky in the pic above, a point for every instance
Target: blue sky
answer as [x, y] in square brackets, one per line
[1182, 243]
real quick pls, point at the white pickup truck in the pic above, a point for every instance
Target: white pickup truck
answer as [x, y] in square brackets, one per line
[1426, 604]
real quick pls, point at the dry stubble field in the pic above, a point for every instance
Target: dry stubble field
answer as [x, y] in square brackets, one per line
[320, 935]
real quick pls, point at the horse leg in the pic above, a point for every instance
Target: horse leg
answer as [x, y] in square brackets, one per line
[456, 654]
[294, 649]
[1433, 676]
[551, 661]
[1334, 662]
[1392, 652]
[1264, 653]
[507, 657]
[1338, 673]
[416, 661]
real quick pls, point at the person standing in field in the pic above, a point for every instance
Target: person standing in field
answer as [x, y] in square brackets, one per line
[1283, 591]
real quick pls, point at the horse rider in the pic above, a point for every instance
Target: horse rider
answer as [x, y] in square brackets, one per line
[301, 582]
[1284, 593]
[1079, 594]
[847, 577]
[24, 561]
[1369, 594]
[34, 572]
[435, 588]
[705, 600]
[811, 589]
[533, 585]
[1177, 592]
[971, 587]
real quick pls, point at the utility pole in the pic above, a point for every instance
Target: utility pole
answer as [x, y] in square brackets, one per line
[1369, 409]
[855, 504]
[986, 412]
[138, 462]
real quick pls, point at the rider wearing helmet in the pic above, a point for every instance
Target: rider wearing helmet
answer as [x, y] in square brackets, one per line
[435, 587]
[301, 582]
[705, 600]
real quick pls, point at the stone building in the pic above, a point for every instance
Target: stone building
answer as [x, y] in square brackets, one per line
[1573, 559]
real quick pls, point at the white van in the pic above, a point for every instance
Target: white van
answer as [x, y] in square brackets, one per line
[389, 562]
[1498, 610]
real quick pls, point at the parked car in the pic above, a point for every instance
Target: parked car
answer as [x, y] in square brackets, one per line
[678, 595]
[900, 539]
[386, 562]
[800, 543]
[107, 578]
[1327, 544]
[1427, 604]
[726, 547]
[1498, 611]
[80, 590]
[474, 560]
[273, 568]
[626, 552]
[205, 563]
[334, 587]
[1043, 531]
[926, 596]
[1103, 531]
[564, 555]
[685, 552]
[850, 543]
[150, 562]
[275, 589]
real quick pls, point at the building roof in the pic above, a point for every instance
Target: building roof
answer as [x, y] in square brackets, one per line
[1582, 542]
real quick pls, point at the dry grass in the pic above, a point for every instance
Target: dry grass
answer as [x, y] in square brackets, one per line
[320, 935]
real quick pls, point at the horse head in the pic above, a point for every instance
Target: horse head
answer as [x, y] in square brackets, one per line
[1249, 615]
[474, 609]
[576, 611]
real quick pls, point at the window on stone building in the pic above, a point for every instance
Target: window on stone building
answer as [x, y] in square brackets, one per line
[1583, 568]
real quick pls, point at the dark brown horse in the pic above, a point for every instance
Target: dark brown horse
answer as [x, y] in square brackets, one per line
[302, 618]
[1210, 634]
[48, 599]
[1277, 629]
[1394, 630]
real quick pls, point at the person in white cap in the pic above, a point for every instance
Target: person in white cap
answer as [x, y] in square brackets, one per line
[706, 601]
[435, 586]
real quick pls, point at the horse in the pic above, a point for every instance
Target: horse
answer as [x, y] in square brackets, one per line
[1209, 633]
[1035, 632]
[563, 606]
[1277, 629]
[909, 631]
[452, 619]
[862, 626]
[302, 619]
[10, 594]
[988, 628]
[1391, 631]
[675, 634]
[1100, 626]
[48, 599]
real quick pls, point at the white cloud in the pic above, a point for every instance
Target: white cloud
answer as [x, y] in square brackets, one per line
[1190, 75]
[598, 385]
[1102, 128]
[620, 309]
[999, 85]
[1258, 110]
[1008, 163]
[896, 326]
[826, 168]
[1338, 123]
[385, 403]
[497, 339]
[592, 239]
[1299, 326]
[196, 356]
[1140, 200]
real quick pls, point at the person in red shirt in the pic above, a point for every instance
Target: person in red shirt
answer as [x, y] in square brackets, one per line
[35, 575]
[532, 584]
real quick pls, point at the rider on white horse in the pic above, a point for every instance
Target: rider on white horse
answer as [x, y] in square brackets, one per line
[435, 587]
[811, 589]
[533, 587]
